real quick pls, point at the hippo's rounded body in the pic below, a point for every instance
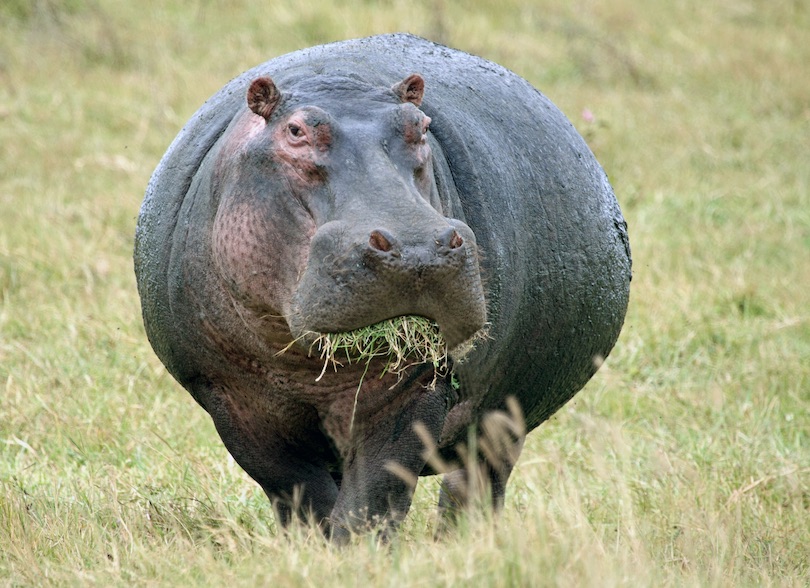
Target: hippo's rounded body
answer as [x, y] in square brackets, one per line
[310, 195]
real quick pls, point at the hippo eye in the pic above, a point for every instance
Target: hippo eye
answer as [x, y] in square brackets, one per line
[295, 130]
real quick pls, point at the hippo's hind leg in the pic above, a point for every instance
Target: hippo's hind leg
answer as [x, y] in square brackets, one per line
[293, 474]
[487, 466]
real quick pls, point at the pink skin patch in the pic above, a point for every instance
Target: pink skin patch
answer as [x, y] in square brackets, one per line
[415, 134]
[301, 142]
[246, 225]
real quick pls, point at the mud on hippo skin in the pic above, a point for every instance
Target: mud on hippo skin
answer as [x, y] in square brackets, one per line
[333, 188]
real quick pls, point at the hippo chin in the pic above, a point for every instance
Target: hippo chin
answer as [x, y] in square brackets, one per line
[333, 188]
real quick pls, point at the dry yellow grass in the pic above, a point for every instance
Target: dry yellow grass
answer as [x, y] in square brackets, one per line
[685, 462]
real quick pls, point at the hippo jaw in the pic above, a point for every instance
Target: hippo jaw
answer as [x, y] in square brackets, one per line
[459, 326]
[399, 343]
[398, 338]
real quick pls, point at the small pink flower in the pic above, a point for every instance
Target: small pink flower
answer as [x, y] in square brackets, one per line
[588, 116]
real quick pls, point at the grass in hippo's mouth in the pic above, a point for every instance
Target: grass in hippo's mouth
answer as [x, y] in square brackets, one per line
[401, 342]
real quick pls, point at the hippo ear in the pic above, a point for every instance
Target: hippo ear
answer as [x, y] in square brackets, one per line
[411, 89]
[263, 97]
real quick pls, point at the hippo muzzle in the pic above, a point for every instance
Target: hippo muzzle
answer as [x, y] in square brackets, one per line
[360, 275]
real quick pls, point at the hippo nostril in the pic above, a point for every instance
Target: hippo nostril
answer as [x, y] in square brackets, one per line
[450, 238]
[380, 240]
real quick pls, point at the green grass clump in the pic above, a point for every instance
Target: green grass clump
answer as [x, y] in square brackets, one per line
[401, 342]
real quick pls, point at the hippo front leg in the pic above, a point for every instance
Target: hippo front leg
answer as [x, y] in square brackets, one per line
[379, 476]
[486, 472]
[465, 486]
[294, 476]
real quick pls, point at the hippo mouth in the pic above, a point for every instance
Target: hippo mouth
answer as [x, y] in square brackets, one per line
[398, 343]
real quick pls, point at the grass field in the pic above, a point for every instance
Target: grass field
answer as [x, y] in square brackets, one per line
[686, 461]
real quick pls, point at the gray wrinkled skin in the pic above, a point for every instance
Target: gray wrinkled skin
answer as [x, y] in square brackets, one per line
[510, 221]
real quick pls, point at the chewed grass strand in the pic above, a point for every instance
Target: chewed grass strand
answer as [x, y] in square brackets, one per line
[402, 341]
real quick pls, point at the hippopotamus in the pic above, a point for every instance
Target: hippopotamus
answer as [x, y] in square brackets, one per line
[346, 184]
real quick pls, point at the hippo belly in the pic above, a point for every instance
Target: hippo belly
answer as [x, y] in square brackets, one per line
[349, 184]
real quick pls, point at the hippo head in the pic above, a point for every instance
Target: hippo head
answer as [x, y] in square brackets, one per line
[328, 212]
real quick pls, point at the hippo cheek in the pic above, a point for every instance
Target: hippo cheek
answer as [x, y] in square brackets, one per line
[258, 258]
[357, 277]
